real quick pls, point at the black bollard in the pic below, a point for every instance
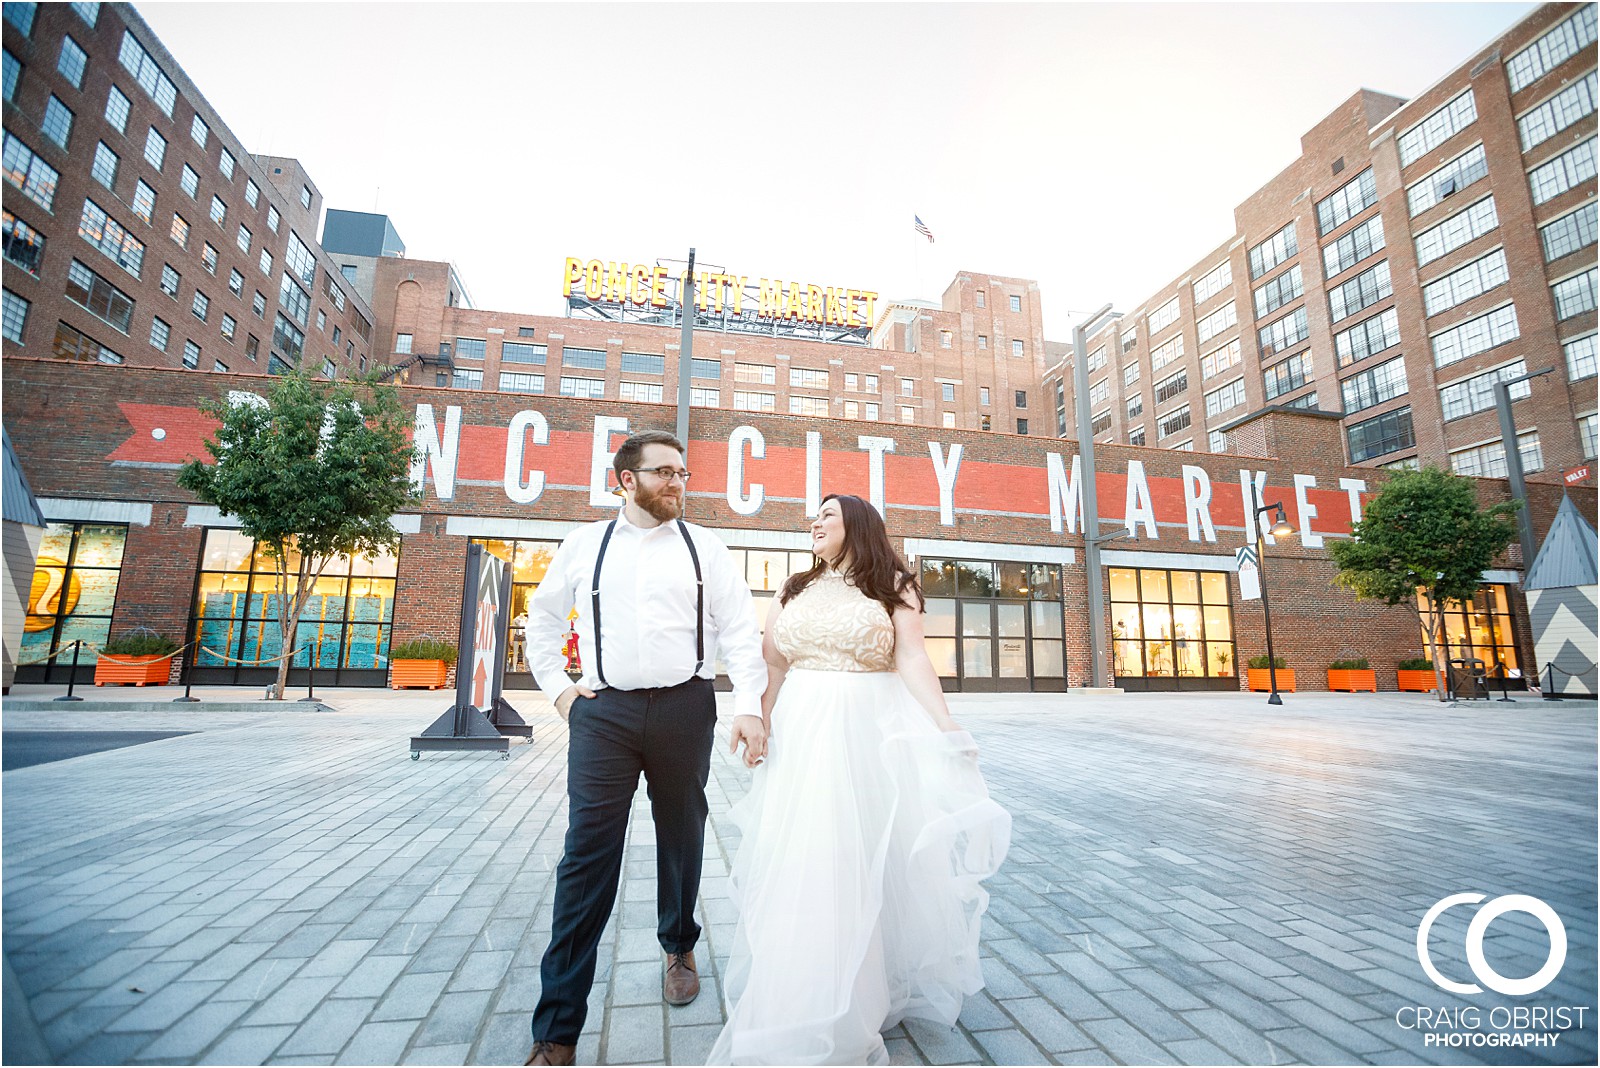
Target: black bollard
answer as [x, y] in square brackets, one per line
[72, 676]
[311, 679]
[188, 682]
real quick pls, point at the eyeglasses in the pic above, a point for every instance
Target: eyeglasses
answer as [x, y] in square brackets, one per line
[665, 474]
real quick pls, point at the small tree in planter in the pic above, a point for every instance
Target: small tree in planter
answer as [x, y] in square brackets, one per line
[1260, 679]
[141, 657]
[1423, 533]
[1352, 675]
[420, 662]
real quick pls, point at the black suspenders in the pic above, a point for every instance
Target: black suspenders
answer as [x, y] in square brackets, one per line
[699, 601]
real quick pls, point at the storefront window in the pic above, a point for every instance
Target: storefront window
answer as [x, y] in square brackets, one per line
[1171, 624]
[994, 625]
[344, 626]
[1481, 630]
[74, 590]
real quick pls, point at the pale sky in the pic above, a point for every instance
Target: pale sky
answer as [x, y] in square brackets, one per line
[1097, 148]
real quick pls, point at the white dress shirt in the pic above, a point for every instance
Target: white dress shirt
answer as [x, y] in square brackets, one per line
[647, 613]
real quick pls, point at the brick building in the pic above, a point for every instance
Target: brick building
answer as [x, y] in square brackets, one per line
[1416, 252]
[189, 251]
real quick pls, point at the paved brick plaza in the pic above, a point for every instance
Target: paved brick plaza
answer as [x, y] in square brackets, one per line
[1193, 879]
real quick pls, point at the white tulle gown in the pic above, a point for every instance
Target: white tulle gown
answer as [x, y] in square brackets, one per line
[866, 834]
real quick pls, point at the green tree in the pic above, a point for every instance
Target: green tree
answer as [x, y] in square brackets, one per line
[1424, 533]
[312, 471]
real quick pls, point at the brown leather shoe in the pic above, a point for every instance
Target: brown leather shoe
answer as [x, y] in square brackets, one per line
[681, 984]
[551, 1053]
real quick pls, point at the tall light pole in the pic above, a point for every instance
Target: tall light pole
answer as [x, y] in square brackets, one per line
[686, 358]
[1091, 502]
[1508, 438]
[1280, 529]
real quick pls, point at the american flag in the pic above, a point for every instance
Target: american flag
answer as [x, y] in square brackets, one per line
[922, 228]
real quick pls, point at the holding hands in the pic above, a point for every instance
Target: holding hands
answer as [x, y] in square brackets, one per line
[752, 731]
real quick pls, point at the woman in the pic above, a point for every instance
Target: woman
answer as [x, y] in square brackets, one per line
[867, 829]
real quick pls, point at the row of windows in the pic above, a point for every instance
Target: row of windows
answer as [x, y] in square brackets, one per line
[1164, 316]
[1215, 323]
[1213, 282]
[1372, 335]
[1566, 235]
[1489, 459]
[1448, 180]
[1574, 296]
[1380, 435]
[1567, 171]
[1475, 335]
[1361, 292]
[1374, 386]
[1353, 247]
[1476, 394]
[1229, 396]
[1287, 376]
[1465, 282]
[1436, 129]
[1273, 251]
[1457, 230]
[1272, 295]
[1168, 352]
[1551, 50]
[1574, 102]
[1346, 202]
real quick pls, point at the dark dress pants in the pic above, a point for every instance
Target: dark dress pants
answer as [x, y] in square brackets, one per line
[665, 733]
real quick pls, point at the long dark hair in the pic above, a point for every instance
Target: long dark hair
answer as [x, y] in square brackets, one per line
[872, 564]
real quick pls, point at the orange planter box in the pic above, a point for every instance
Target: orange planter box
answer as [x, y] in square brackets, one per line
[425, 673]
[1414, 681]
[1260, 682]
[1352, 679]
[137, 670]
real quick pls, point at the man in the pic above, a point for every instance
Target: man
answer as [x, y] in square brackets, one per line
[657, 599]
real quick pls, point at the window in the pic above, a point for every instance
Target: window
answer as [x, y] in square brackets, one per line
[24, 246]
[1307, 401]
[1288, 375]
[1374, 386]
[517, 382]
[287, 338]
[200, 307]
[252, 192]
[293, 299]
[1219, 360]
[225, 164]
[1574, 102]
[180, 230]
[1017, 348]
[510, 351]
[1273, 251]
[300, 261]
[643, 363]
[21, 16]
[981, 298]
[1464, 283]
[908, 414]
[72, 345]
[1022, 398]
[1022, 426]
[27, 172]
[1172, 423]
[402, 344]
[1553, 49]
[467, 348]
[869, 383]
[639, 391]
[118, 108]
[1135, 436]
[199, 131]
[1353, 247]
[469, 378]
[1361, 292]
[13, 312]
[711, 369]
[1575, 295]
[1367, 337]
[1167, 624]
[57, 124]
[160, 334]
[808, 378]
[1229, 396]
[1215, 281]
[229, 326]
[1566, 235]
[1489, 459]
[594, 388]
[170, 280]
[1567, 171]
[1476, 394]
[869, 410]
[208, 258]
[13, 72]
[219, 210]
[80, 565]
[1290, 330]
[1380, 435]
[1437, 128]
[1099, 392]
[252, 346]
[305, 196]
[947, 391]
[1172, 386]
[1130, 374]
[1475, 336]
[258, 304]
[104, 169]
[1456, 231]
[107, 235]
[1167, 352]
[590, 358]
[908, 387]
[99, 296]
[946, 338]
[983, 341]
[1588, 429]
[191, 355]
[336, 331]
[1131, 338]
[1217, 441]
[1135, 406]
[1447, 181]
[137, 62]
[73, 62]
[852, 382]
[1016, 303]
[265, 262]
[144, 201]
[155, 149]
[190, 181]
[242, 239]
[273, 218]
[700, 397]
[1272, 295]
[1580, 354]
[765, 374]
[749, 401]
[1218, 321]
[1164, 316]
[1097, 359]
[1346, 202]
[808, 406]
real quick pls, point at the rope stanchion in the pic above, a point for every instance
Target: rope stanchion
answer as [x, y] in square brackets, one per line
[1550, 669]
[72, 674]
[263, 660]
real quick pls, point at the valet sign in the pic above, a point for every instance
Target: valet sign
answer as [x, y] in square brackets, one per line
[1521, 1025]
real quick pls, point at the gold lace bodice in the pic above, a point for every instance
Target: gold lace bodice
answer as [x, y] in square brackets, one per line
[832, 626]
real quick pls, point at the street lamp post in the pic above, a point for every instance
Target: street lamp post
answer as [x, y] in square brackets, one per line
[1280, 529]
[1091, 503]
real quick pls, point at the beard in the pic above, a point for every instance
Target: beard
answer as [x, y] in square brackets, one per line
[663, 504]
